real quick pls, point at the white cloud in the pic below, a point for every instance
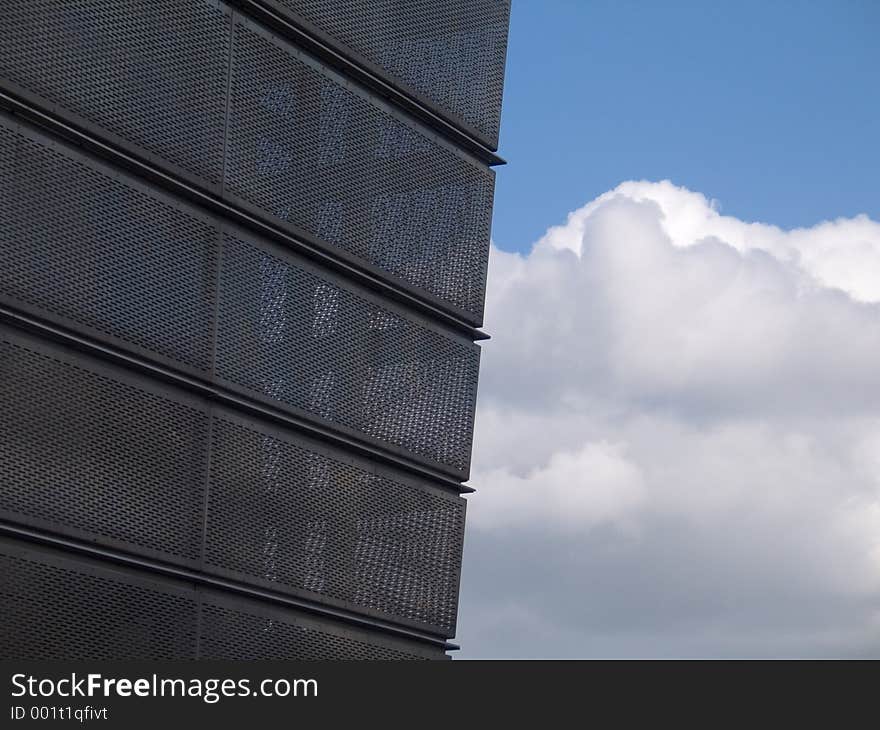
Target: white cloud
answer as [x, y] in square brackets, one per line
[844, 253]
[677, 438]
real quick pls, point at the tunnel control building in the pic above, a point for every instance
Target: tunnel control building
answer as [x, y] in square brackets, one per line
[243, 253]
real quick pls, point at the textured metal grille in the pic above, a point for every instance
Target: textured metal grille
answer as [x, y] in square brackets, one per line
[82, 450]
[79, 609]
[307, 149]
[95, 452]
[235, 634]
[111, 454]
[298, 338]
[152, 73]
[332, 528]
[449, 51]
[99, 252]
[301, 145]
[54, 612]
[139, 270]
[89, 247]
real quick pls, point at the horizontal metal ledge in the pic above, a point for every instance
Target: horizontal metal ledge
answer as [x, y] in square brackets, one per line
[49, 539]
[129, 161]
[408, 100]
[224, 396]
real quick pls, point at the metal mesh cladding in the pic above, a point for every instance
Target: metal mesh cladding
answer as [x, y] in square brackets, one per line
[54, 612]
[80, 449]
[307, 149]
[90, 247]
[449, 51]
[298, 143]
[152, 73]
[228, 633]
[100, 453]
[303, 340]
[331, 528]
[95, 452]
[98, 251]
[77, 609]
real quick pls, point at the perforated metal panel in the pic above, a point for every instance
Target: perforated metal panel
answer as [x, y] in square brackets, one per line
[302, 146]
[285, 514]
[103, 254]
[96, 452]
[303, 340]
[232, 633]
[144, 461]
[449, 51]
[69, 610]
[75, 608]
[96, 250]
[84, 448]
[152, 73]
[311, 151]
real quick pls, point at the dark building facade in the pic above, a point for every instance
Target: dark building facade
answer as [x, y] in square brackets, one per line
[243, 251]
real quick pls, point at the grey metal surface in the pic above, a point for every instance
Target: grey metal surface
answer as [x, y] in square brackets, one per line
[449, 52]
[250, 117]
[281, 512]
[153, 73]
[96, 452]
[240, 272]
[317, 154]
[299, 339]
[58, 606]
[88, 246]
[142, 271]
[90, 451]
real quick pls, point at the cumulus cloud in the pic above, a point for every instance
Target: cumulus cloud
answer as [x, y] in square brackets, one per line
[678, 438]
[843, 254]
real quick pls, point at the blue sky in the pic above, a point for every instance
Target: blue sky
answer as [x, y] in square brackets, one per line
[772, 108]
